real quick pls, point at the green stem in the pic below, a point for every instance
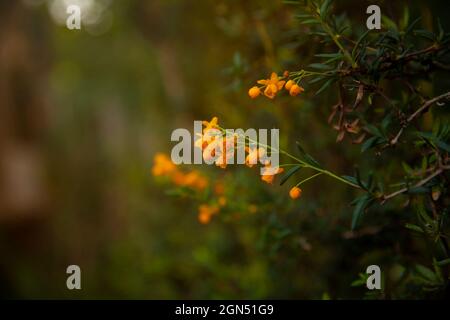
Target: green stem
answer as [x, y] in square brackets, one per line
[307, 179]
[301, 162]
[333, 36]
[326, 172]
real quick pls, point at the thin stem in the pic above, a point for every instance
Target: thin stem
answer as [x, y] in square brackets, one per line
[307, 179]
[333, 36]
[303, 163]
[419, 111]
[420, 183]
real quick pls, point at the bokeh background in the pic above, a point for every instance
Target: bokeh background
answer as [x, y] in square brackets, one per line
[83, 112]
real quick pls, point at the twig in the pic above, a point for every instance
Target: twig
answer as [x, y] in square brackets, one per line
[419, 111]
[420, 183]
[427, 104]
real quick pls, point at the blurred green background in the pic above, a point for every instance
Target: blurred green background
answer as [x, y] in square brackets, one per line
[83, 112]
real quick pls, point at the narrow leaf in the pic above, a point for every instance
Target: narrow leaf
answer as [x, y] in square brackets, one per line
[289, 173]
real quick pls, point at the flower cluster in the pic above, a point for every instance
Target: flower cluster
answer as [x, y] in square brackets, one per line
[220, 148]
[163, 166]
[270, 87]
[216, 145]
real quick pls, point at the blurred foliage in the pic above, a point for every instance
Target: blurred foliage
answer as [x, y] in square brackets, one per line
[113, 96]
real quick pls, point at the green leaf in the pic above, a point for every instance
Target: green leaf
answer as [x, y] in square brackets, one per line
[386, 122]
[390, 24]
[351, 179]
[369, 143]
[324, 8]
[426, 273]
[361, 281]
[318, 79]
[418, 190]
[405, 19]
[359, 41]
[361, 204]
[443, 263]
[320, 66]
[324, 86]
[289, 173]
[441, 30]
[425, 34]
[412, 25]
[374, 130]
[439, 143]
[329, 55]
[302, 16]
[310, 21]
[442, 145]
[300, 149]
[306, 157]
[413, 227]
[406, 167]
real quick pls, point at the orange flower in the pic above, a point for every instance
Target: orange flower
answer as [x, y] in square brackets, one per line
[269, 173]
[295, 90]
[163, 165]
[289, 84]
[201, 142]
[205, 212]
[295, 192]
[226, 151]
[209, 153]
[270, 91]
[253, 156]
[273, 85]
[191, 179]
[178, 178]
[201, 183]
[254, 92]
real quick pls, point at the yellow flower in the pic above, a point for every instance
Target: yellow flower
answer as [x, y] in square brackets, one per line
[273, 85]
[295, 192]
[269, 174]
[295, 90]
[254, 92]
[163, 165]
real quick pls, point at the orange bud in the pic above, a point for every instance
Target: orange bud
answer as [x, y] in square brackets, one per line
[289, 84]
[295, 192]
[254, 92]
[295, 90]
